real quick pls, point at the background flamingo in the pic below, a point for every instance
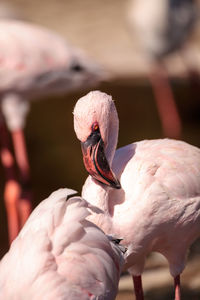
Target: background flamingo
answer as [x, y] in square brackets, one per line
[157, 207]
[60, 255]
[162, 28]
[34, 62]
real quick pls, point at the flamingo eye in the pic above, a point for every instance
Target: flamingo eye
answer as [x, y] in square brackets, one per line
[95, 127]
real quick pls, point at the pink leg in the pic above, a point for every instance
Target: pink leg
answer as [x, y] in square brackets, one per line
[166, 104]
[137, 281]
[12, 188]
[24, 169]
[177, 287]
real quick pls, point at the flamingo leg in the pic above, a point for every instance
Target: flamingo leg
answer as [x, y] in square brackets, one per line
[137, 281]
[177, 287]
[25, 202]
[166, 105]
[12, 187]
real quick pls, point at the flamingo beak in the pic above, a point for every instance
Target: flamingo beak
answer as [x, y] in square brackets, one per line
[95, 161]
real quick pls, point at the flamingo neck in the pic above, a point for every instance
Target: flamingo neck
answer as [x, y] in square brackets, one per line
[15, 109]
[96, 194]
[93, 191]
[112, 138]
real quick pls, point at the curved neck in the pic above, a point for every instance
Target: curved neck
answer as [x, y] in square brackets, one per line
[96, 194]
[112, 137]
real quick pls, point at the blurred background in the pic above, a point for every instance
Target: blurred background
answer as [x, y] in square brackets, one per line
[101, 29]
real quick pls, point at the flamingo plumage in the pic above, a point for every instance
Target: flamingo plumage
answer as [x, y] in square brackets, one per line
[34, 62]
[149, 190]
[60, 255]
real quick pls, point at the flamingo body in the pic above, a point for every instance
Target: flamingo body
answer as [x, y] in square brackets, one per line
[158, 208]
[158, 205]
[60, 255]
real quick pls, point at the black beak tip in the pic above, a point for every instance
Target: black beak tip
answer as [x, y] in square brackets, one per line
[116, 185]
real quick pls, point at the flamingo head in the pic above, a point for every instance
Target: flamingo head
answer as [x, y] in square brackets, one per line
[96, 126]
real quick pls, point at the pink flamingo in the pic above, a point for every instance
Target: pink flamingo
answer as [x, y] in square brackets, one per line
[162, 28]
[34, 62]
[60, 255]
[156, 204]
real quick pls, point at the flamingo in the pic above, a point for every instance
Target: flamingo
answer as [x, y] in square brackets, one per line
[60, 255]
[149, 190]
[163, 28]
[34, 62]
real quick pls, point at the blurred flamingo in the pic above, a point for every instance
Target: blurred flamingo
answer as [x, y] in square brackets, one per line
[60, 255]
[156, 204]
[34, 62]
[162, 28]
